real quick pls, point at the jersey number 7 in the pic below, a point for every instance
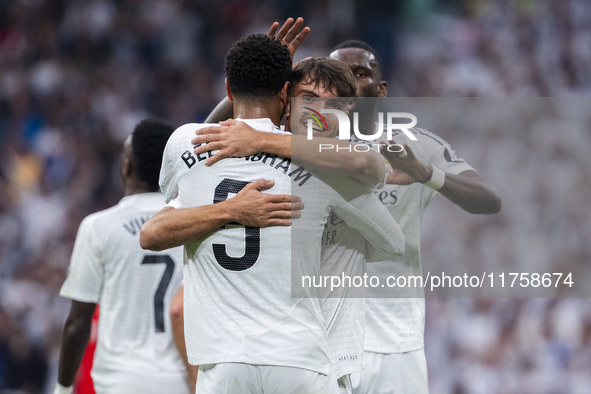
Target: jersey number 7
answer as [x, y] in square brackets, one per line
[162, 286]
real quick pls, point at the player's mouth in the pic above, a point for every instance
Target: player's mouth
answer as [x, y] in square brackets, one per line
[316, 130]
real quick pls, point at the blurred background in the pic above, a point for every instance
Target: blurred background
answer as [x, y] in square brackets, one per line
[76, 76]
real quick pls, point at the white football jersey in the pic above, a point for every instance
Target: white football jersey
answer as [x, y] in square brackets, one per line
[343, 251]
[239, 305]
[134, 289]
[396, 325]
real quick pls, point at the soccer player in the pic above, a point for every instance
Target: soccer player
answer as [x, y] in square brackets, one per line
[317, 83]
[135, 352]
[394, 346]
[242, 325]
[394, 337]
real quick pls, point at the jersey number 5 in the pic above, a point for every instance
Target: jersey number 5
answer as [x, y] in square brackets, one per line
[252, 235]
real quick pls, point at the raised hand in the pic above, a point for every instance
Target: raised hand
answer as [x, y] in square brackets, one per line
[290, 34]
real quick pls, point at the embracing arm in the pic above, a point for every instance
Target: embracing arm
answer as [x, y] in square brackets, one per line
[340, 157]
[173, 227]
[235, 138]
[362, 211]
[74, 340]
[224, 110]
[467, 189]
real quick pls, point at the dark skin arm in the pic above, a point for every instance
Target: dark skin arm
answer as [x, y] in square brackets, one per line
[292, 35]
[224, 110]
[74, 340]
[178, 333]
[467, 189]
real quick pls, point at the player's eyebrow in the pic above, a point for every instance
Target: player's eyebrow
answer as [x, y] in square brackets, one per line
[358, 67]
[310, 92]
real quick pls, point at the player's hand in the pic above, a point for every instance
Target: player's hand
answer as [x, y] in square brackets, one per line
[290, 34]
[255, 209]
[232, 138]
[405, 169]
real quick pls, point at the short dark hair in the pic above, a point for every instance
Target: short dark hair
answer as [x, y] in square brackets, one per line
[332, 74]
[148, 140]
[257, 67]
[361, 45]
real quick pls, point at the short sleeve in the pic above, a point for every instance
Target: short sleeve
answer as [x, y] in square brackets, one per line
[86, 272]
[441, 155]
[167, 182]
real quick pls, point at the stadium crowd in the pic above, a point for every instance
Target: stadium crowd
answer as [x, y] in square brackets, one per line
[75, 77]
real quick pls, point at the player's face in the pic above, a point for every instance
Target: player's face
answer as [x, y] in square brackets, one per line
[314, 97]
[365, 69]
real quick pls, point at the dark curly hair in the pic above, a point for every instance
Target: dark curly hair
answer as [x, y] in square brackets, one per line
[148, 141]
[361, 45]
[332, 74]
[257, 67]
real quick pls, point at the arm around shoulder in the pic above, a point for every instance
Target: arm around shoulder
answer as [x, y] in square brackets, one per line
[173, 227]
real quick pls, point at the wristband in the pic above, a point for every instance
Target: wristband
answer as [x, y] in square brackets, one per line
[437, 179]
[59, 389]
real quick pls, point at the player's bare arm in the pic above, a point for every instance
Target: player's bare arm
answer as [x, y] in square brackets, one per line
[292, 35]
[468, 190]
[234, 138]
[177, 322]
[74, 340]
[175, 227]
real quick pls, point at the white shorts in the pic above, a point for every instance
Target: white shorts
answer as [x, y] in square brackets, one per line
[125, 383]
[345, 385]
[231, 378]
[393, 373]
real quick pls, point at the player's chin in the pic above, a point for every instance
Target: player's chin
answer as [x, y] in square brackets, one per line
[324, 134]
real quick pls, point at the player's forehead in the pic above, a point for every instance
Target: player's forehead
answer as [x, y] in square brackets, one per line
[355, 57]
[310, 87]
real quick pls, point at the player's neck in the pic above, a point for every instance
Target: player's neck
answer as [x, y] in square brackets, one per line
[367, 122]
[135, 187]
[250, 111]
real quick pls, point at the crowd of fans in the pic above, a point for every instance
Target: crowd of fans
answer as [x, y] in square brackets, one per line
[75, 77]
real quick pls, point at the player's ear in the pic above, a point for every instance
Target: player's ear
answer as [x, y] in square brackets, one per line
[126, 161]
[228, 91]
[284, 95]
[383, 89]
[126, 167]
[287, 109]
